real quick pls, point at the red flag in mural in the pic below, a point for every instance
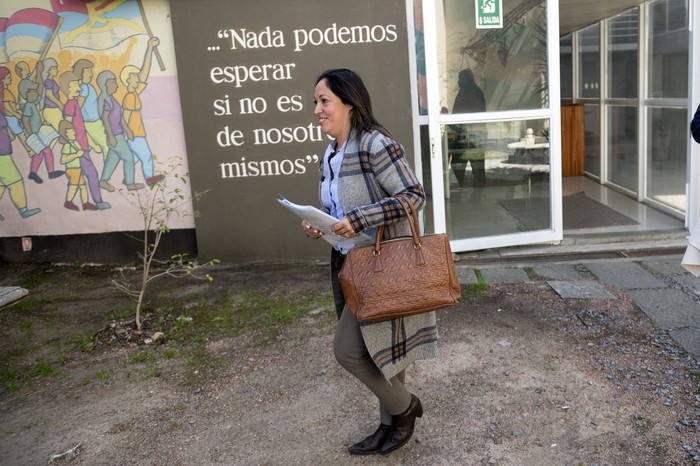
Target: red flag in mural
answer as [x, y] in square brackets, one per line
[98, 24]
[30, 30]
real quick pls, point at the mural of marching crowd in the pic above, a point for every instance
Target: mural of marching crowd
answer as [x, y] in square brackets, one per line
[72, 126]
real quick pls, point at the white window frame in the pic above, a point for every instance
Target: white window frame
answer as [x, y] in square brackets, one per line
[435, 120]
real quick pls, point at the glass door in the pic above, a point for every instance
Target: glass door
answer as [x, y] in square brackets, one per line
[489, 129]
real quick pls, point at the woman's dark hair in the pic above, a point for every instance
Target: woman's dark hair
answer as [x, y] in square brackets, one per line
[348, 86]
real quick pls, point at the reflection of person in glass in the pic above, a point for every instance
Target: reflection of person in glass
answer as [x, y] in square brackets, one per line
[468, 144]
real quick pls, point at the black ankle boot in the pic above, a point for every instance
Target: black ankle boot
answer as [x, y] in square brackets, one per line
[402, 427]
[372, 443]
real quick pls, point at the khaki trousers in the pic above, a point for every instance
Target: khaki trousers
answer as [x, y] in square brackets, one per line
[351, 353]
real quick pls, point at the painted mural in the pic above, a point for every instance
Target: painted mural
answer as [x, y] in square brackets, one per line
[89, 112]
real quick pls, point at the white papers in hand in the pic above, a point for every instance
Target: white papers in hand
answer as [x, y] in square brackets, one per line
[322, 221]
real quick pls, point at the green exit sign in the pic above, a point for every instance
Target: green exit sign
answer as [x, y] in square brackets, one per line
[489, 14]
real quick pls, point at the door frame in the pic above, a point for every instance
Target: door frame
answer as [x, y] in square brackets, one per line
[435, 120]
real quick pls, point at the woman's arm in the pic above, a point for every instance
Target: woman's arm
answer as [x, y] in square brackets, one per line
[392, 174]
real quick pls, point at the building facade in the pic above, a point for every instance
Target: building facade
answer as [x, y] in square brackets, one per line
[494, 106]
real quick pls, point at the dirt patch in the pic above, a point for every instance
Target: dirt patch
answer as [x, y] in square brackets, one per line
[246, 375]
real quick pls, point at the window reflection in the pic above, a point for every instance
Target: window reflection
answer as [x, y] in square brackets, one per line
[589, 62]
[623, 37]
[508, 64]
[667, 165]
[623, 161]
[496, 178]
[667, 130]
[668, 49]
[591, 145]
[566, 66]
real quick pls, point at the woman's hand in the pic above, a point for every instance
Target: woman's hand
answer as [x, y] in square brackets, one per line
[343, 228]
[311, 232]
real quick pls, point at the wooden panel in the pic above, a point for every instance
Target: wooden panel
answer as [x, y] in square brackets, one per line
[572, 134]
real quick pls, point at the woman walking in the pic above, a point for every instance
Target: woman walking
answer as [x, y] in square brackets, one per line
[363, 169]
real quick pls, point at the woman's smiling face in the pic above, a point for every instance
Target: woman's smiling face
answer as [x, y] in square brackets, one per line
[333, 115]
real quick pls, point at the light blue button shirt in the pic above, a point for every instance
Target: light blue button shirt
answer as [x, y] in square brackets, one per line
[329, 184]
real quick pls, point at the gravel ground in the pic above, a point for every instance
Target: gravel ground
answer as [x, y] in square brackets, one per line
[523, 378]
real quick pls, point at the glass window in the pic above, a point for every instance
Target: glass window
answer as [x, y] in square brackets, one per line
[623, 147]
[623, 38]
[508, 65]
[496, 178]
[667, 135]
[668, 49]
[667, 128]
[589, 62]
[566, 66]
[425, 152]
[420, 57]
[591, 125]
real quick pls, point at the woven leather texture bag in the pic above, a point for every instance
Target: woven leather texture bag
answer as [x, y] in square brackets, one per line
[400, 277]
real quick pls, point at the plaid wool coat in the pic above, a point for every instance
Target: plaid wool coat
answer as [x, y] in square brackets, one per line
[374, 169]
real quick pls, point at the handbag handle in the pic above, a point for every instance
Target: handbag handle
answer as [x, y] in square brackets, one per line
[412, 217]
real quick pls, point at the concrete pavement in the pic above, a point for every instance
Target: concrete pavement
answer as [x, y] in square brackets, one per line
[646, 270]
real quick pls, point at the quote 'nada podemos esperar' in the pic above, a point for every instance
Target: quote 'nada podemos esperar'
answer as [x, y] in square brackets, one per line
[238, 76]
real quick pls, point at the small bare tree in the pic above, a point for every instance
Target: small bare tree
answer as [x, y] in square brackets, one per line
[157, 206]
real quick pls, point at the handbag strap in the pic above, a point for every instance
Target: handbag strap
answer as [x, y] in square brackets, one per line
[412, 218]
[411, 212]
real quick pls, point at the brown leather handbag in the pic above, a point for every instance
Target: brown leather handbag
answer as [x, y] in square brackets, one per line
[400, 277]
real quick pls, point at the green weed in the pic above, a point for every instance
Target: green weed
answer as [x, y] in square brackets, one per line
[478, 288]
[10, 378]
[85, 343]
[188, 328]
[12, 386]
[151, 372]
[62, 352]
[585, 271]
[33, 279]
[14, 377]
[27, 305]
[25, 325]
[531, 274]
[41, 368]
[124, 313]
[141, 356]
[245, 311]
